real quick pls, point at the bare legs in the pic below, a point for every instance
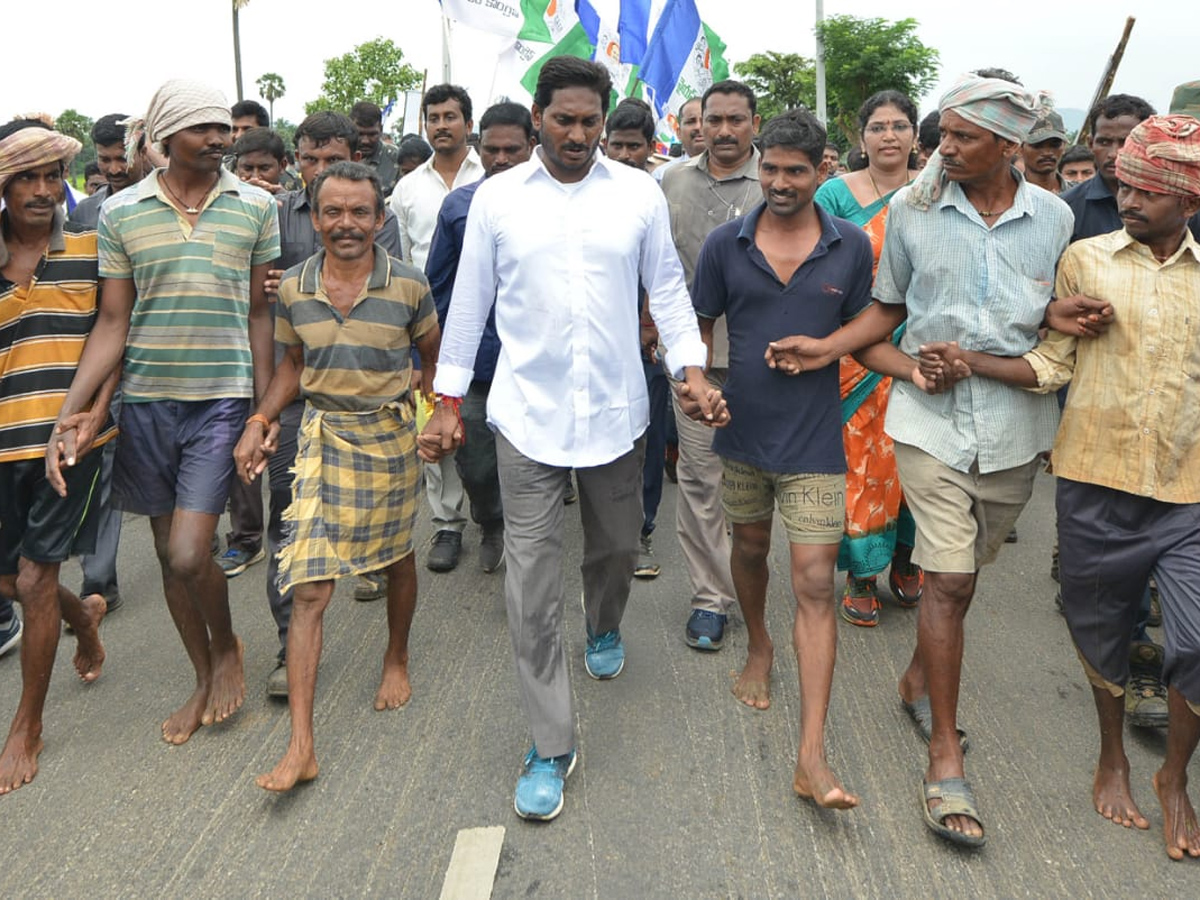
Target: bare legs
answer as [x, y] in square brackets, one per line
[1111, 793]
[936, 669]
[198, 598]
[305, 636]
[44, 603]
[814, 637]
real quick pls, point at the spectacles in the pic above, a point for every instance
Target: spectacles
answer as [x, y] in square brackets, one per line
[878, 128]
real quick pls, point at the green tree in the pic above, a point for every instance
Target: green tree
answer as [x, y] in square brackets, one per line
[287, 131]
[780, 81]
[373, 71]
[863, 56]
[77, 125]
[271, 88]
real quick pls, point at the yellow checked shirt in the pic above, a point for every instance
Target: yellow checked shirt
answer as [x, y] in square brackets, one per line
[1132, 420]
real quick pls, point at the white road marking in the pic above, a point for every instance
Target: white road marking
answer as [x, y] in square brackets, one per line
[473, 863]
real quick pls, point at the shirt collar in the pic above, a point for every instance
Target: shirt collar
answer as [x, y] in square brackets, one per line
[536, 167]
[1096, 189]
[227, 183]
[471, 159]
[955, 196]
[1123, 240]
[749, 168]
[310, 274]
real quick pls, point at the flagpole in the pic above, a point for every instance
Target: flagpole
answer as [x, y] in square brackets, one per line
[820, 64]
[446, 79]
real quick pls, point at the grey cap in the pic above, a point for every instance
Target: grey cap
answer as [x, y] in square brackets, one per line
[1046, 128]
[1186, 99]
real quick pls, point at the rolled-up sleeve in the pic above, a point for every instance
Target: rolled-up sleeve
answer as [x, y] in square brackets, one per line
[670, 305]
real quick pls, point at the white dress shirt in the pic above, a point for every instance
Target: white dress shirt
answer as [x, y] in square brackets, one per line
[561, 262]
[417, 200]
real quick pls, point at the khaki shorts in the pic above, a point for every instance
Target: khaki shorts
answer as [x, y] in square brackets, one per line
[962, 517]
[812, 507]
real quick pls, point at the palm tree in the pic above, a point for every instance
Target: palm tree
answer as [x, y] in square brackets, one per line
[270, 88]
[237, 47]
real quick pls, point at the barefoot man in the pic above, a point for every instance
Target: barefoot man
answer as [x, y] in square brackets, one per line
[48, 283]
[184, 255]
[1127, 456]
[786, 266]
[347, 319]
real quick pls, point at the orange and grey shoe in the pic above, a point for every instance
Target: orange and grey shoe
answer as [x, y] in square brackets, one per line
[907, 581]
[857, 591]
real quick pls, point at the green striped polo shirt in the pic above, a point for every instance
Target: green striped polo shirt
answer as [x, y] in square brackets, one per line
[188, 333]
[363, 361]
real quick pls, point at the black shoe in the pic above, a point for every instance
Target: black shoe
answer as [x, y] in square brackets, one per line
[491, 548]
[443, 555]
[1011, 538]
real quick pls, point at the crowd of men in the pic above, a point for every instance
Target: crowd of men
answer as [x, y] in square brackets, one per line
[224, 306]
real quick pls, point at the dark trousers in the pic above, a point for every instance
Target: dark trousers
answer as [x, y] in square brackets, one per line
[279, 470]
[245, 516]
[659, 388]
[475, 459]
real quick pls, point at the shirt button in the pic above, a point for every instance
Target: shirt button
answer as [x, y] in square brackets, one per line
[1151, 392]
[1154, 312]
[1145, 431]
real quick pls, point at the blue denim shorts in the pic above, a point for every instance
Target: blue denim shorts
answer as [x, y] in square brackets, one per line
[175, 454]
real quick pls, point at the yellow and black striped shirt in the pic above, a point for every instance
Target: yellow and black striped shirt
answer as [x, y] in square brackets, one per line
[43, 327]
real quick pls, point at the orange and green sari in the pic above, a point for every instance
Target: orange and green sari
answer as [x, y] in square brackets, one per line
[876, 517]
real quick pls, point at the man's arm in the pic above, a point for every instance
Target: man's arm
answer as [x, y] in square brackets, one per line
[258, 440]
[801, 353]
[262, 341]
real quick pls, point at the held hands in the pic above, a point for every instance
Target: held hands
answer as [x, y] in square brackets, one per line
[940, 366]
[441, 435]
[1079, 316]
[72, 438]
[254, 448]
[700, 401]
[797, 353]
[271, 282]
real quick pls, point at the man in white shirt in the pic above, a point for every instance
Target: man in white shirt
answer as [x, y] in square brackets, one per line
[557, 244]
[417, 201]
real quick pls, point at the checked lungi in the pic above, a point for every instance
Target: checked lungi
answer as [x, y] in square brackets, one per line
[354, 503]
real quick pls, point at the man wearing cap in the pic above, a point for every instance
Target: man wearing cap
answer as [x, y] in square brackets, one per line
[1042, 151]
[970, 255]
[48, 286]
[184, 255]
[1128, 456]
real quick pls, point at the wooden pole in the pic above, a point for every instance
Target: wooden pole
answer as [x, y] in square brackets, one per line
[237, 52]
[1106, 80]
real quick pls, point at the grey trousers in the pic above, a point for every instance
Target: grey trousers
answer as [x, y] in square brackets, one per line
[610, 504]
[699, 516]
[444, 490]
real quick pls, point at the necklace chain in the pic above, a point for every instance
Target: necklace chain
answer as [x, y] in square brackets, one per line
[733, 211]
[188, 208]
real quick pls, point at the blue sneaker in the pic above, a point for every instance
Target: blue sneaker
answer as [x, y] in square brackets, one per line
[605, 655]
[540, 788]
[10, 633]
[706, 630]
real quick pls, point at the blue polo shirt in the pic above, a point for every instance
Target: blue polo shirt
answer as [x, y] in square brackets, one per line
[789, 424]
[441, 267]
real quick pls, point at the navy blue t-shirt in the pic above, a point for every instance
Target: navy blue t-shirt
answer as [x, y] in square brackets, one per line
[788, 424]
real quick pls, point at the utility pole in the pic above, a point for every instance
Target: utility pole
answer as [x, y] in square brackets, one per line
[820, 64]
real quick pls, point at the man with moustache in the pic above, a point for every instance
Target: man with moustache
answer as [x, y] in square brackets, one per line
[108, 137]
[376, 152]
[718, 185]
[48, 285]
[188, 244]
[356, 471]
[1127, 456]
[1042, 151]
[446, 109]
[557, 246]
[322, 140]
[505, 141]
[690, 133]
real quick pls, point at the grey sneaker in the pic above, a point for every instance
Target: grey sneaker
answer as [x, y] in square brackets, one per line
[646, 566]
[491, 548]
[235, 560]
[444, 552]
[10, 634]
[1145, 694]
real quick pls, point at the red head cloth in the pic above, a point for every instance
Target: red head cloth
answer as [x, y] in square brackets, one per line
[1162, 155]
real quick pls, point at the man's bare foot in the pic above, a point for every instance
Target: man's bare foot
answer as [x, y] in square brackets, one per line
[753, 685]
[815, 781]
[1114, 799]
[296, 766]
[394, 689]
[1180, 829]
[89, 651]
[184, 722]
[228, 685]
[18, 762]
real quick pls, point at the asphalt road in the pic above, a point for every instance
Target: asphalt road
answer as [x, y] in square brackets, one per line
[681, 792]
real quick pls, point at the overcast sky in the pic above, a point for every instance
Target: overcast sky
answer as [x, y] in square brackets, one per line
[55, 57]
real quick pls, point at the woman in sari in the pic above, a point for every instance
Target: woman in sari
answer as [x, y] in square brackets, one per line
[879, 530]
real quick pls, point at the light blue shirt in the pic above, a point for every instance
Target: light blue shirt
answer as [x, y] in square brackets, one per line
[987, 289]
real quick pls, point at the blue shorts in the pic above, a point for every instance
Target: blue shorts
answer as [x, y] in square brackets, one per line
[175, 454]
